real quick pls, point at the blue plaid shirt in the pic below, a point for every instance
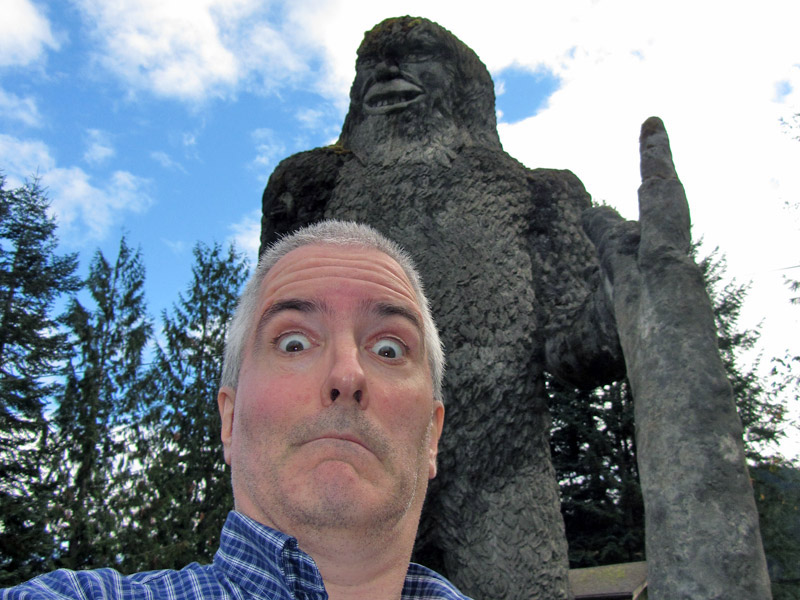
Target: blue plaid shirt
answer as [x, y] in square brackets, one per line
[253, 561]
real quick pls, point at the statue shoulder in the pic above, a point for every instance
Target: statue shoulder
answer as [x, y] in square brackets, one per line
[558, 184]
[299, 189]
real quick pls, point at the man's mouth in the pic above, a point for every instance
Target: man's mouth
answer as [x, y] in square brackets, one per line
[344, 437]
[388, 96]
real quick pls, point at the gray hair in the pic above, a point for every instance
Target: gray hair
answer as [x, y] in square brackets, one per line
[337, 233]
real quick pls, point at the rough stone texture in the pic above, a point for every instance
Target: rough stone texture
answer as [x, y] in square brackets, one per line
[702, 534]
[516, 288]
[506, 264]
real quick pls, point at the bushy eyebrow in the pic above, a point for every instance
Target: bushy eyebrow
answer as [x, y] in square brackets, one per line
[303, 306]
[381, 309]
[385, 309]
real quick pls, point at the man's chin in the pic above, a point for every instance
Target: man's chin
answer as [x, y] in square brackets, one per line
[338, 498]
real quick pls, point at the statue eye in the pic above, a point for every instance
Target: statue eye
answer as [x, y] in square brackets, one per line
[418, 57]
[367, 62]
[388, 348]
[293, 342]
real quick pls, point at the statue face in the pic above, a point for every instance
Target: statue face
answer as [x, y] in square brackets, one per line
[412, 69]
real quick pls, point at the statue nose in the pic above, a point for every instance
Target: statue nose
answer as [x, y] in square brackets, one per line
[387, 69]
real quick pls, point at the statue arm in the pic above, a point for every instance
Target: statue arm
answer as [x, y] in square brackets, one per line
[587, 352]
[581, 343]
[702, 536]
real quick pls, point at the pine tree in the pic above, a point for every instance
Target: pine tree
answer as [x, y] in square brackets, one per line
[777, 490]
[97, 416]
[762, 411]
[184, 489]
[594, 457]
[33, 277]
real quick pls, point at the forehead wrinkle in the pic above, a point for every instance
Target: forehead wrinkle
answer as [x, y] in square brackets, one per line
[302, 271]
[353, 261]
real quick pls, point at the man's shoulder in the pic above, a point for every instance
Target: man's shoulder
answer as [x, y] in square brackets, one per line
[424, 584]
[193, 581]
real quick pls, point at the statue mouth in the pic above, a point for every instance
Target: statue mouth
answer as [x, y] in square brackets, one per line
[396, 94]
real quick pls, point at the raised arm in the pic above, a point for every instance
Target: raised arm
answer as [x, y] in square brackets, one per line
[702, 533]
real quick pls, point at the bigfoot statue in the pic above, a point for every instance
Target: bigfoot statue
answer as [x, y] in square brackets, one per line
[514, 281]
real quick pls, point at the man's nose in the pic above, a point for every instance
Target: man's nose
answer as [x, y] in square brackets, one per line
[345, 382]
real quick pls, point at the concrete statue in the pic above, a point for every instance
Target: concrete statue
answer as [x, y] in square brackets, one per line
[524, 277]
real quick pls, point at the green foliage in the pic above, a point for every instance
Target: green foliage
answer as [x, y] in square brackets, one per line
[97, 416]
[594, 456]
[33, 276]
[762, 410]
[183, 491]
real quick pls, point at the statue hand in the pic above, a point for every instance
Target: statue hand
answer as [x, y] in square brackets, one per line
[695, 483]
[632, 250]
[647, 275]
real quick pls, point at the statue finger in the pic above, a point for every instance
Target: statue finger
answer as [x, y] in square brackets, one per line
[663, 209]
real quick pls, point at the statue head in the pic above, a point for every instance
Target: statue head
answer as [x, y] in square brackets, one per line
[417, 82]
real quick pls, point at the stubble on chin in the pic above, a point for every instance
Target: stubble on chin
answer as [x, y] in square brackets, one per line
[327, 503]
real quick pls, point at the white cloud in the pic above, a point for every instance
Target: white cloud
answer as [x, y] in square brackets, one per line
[16, 108]
[99, 148]
[311, 118]
[718, 99]
[247, 234]
[82, 206]
[86, 210]
[191, 49]
[23, 159]
[24, 33]
[269, 149]
[166, 161]
[172, 48]
[177, 247]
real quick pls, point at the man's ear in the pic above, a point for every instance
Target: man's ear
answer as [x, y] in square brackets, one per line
[437, 422]
[226, 400]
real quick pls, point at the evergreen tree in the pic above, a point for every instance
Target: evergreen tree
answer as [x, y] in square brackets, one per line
[762, 411]
[184, 489]
[33, 276]
[594, 456]
[97, 416]
[777, 490]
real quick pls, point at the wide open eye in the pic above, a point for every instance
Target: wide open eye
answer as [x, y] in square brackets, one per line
[388, 348]
[293, 342]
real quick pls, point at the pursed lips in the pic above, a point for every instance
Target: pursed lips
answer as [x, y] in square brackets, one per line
[342, 437]
[344, 428]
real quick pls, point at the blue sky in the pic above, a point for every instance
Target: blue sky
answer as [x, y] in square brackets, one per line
[166, 162]
[163, 119]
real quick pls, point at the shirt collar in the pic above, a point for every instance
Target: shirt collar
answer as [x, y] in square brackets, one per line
[261, 559]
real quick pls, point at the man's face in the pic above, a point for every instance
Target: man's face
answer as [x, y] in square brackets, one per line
[333, 424]
[414, 70]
